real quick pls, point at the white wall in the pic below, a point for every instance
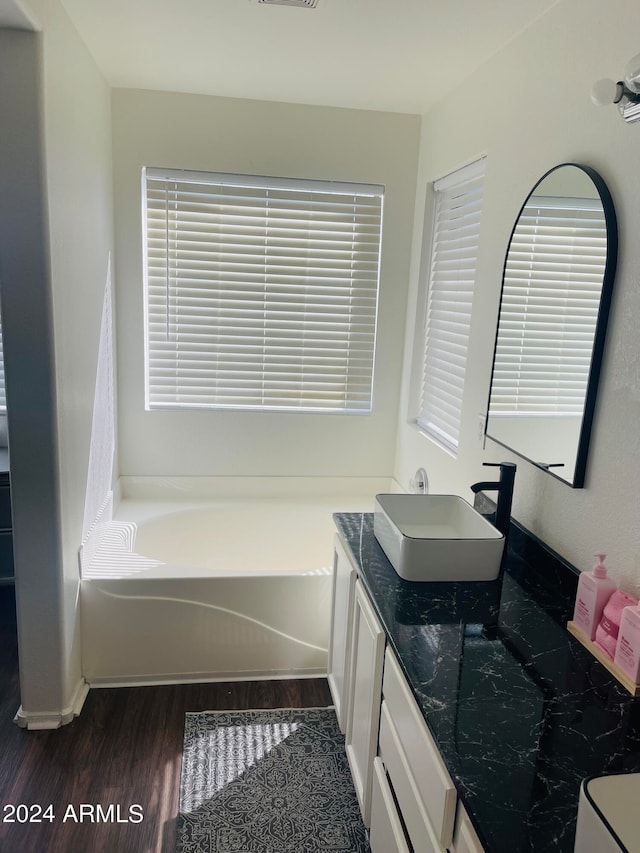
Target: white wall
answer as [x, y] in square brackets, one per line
[77, 111]
[55, 251]
[20, 15]
[29, 369]
[528, 109]
[227, 135]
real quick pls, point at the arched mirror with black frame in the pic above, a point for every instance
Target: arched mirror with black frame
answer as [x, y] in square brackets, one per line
[556, 292]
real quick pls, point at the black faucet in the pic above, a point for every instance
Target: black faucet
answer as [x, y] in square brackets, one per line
[504, 488]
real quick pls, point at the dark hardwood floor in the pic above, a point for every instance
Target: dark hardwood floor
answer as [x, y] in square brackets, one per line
[124, 749]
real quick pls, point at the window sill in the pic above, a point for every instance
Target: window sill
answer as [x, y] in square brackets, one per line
[445, 448]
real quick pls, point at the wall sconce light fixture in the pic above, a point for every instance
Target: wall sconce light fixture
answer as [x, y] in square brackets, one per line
[625, 93]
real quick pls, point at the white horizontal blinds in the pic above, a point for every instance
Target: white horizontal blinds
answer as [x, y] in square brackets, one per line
[550, 301]
[3, 399]
[458, 207]
[261, 293]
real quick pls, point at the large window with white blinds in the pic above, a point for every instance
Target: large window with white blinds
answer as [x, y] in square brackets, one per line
[549, 310]
[261, 293]
[451, 280]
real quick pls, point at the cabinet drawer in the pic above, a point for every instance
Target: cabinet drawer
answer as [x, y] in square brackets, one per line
[416, 820]
[386, 834]
[436, 790]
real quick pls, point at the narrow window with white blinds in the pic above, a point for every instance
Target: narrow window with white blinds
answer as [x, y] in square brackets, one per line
[549, 309]
[261, 293]
[452, 273]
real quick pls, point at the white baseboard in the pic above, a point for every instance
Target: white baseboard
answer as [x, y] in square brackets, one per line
[37, 720]
[203, 678]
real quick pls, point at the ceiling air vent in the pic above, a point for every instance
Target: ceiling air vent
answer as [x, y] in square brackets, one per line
[303, 4]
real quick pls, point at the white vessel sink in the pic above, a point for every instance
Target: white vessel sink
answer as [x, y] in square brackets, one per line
[607, 814]
[437, 538]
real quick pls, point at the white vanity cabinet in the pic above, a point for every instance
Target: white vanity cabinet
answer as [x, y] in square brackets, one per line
[406, 796]
[363, 709]
[344, 582]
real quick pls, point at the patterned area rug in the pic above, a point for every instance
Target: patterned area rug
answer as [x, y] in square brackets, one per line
[267, 782]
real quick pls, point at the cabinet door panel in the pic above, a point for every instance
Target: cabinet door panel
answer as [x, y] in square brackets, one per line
[6, 555]
[386, 834]
[344, 580]
[364, 705]
[5, 508]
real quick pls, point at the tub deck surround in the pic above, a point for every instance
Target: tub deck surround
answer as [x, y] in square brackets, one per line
[205, 579]
[520, 711]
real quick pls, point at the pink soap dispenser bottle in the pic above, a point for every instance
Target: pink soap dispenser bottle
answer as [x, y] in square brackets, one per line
[628, 648]
[594, 590]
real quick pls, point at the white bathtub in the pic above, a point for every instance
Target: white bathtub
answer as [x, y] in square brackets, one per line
[201, 579]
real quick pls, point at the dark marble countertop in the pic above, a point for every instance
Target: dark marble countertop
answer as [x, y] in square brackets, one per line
[521, 712]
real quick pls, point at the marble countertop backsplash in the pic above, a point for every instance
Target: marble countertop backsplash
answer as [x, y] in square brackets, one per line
[521, 712]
